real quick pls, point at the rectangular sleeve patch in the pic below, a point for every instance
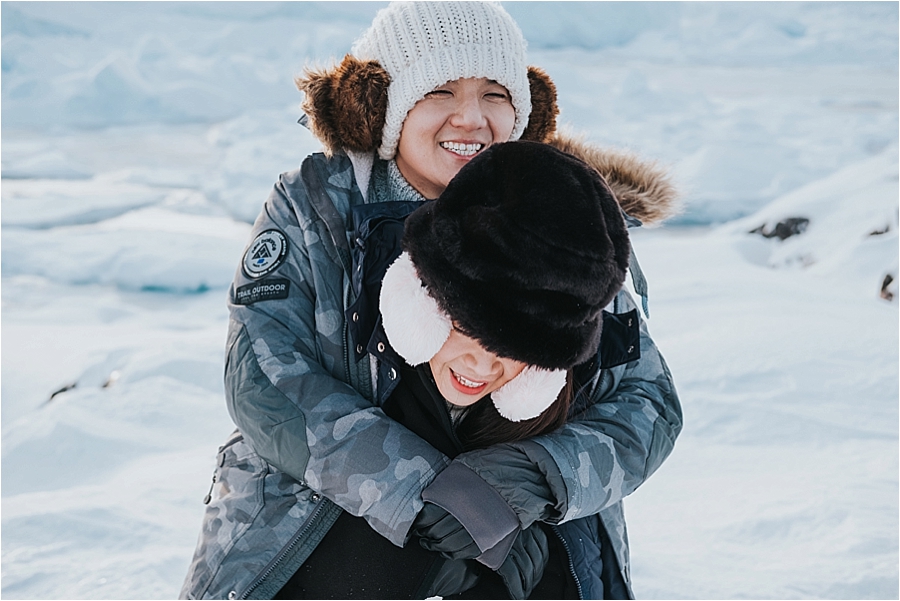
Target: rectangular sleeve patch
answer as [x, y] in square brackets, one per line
[269, 289]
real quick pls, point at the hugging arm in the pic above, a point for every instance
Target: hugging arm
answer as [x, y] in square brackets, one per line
[600, 456]
[287, 374]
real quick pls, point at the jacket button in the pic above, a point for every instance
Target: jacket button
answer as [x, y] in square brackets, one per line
[232, 595]
[356, 317]
[359, 349]
[380, 347]
[630, 349]
[629, 323]
[393, 374]
[315, 497]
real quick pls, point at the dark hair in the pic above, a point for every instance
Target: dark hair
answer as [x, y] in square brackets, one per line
[483, 425]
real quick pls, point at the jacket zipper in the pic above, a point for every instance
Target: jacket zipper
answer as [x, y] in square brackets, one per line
[346, 346]
[569, 557]
[324, 208]
[268, 571]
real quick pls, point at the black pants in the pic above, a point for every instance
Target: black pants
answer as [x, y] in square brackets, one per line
[355, 562]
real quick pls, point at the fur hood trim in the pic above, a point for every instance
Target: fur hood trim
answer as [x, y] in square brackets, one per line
[643, 189]
[347, 104]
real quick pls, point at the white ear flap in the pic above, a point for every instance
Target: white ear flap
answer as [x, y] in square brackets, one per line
[529, 394]
[414, 323]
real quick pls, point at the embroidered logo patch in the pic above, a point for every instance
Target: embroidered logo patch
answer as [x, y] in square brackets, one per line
[265, 255]
[270, 289]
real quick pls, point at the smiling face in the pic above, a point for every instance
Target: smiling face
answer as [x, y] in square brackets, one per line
[449, 126]
[465, 372]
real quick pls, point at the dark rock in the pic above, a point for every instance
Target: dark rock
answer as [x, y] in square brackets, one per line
[887, 292]
[783, 229]
[62, 390]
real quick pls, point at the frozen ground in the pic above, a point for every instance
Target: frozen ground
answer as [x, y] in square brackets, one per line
[140, 139]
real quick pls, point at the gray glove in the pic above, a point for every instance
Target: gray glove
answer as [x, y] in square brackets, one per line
[477, 516]
[439, 531]
[524, 566]
[454, 577]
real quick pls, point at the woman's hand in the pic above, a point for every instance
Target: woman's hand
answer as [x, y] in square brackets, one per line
[442, 533]
[520, 571]
[524, 566]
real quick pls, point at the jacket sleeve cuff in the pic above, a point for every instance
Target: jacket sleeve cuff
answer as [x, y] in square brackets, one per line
[496, 555]
[481, 510]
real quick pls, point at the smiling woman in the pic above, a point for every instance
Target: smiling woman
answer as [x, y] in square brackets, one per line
[465, 372]
[350, 475]
[448, 127]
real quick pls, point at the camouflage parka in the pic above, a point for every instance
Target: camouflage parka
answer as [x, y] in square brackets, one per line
[312, 439]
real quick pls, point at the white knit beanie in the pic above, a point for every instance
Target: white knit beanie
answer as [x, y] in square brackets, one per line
[423, 45]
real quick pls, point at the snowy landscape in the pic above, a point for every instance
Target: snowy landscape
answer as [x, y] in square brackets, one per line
[139, 141]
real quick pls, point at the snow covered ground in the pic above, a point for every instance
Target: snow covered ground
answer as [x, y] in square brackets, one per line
[140, 140]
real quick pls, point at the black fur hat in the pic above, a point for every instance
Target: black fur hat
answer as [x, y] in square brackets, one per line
[523, 250]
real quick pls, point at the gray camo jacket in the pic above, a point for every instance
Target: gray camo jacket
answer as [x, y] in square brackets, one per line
[312, 439]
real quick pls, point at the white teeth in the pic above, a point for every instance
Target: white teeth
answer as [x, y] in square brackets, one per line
[462, 149]
[468, 383]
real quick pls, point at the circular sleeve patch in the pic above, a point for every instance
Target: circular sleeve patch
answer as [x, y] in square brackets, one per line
[265, 254]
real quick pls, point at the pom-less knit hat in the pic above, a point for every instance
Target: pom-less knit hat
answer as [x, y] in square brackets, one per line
[521, 252]
[423, 45]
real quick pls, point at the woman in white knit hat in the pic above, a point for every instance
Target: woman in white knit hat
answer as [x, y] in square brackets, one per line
[309, 372]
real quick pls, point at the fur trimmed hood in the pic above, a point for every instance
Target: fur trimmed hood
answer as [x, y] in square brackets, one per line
[643, 188]
[347, 104]
[346, 107]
